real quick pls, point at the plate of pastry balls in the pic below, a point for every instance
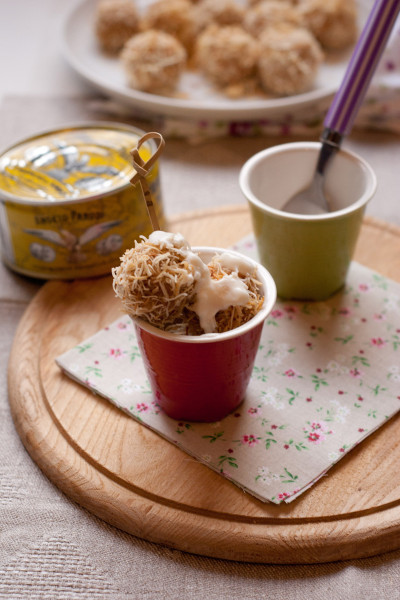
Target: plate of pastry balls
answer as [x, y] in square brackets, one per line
[213, 59]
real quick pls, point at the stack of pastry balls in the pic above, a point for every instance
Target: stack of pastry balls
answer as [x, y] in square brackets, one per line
[271, 46]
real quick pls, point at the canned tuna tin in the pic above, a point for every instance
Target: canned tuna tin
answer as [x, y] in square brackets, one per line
[67, 209]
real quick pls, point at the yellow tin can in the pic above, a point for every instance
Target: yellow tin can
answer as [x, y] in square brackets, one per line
[67, 209]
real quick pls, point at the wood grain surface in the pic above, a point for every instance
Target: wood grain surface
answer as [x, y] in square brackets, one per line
[134, 479]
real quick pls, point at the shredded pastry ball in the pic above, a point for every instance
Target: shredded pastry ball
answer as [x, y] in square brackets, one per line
[153, 61]
[269, 13]
[115, 22]
[221, 41]
[226, 54]
[233, 316]
[333, 22]
[154, 282]
[175, 17]
[254, 2]
[220, 12]
[289, 59]
[163, 282]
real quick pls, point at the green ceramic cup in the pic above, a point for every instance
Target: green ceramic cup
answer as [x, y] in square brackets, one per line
[307, 255]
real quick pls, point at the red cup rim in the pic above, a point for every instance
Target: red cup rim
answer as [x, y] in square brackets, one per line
[270, 295]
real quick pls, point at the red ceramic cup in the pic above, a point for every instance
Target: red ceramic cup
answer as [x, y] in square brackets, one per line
[204, 378]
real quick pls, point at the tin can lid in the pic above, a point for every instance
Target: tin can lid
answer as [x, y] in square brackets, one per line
[69, 164]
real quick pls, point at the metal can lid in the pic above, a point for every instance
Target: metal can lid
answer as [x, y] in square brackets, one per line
[72, 163]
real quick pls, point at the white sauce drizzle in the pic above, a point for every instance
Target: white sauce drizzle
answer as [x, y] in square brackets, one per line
[212, 295]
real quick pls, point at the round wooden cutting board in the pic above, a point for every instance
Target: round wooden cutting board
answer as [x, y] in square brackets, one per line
[139, 482]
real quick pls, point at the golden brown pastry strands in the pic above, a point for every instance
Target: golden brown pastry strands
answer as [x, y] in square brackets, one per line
[155, 282]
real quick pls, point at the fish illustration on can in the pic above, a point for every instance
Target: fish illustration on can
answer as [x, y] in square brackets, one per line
[73, 243]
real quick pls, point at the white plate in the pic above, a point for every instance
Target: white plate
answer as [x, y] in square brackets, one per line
[81, 50]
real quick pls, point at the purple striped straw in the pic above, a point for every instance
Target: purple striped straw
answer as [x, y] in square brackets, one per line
[366, 55]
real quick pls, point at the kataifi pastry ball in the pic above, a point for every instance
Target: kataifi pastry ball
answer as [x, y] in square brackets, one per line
[226, 55]
[115, 22]
[175, 17]
[333, 22]
[153, 61]
[269, 13]
[289, 60]
[220, 12]
[155, 282]
[254, 2]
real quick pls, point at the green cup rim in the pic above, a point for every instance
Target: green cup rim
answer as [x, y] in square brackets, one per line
[256, 159]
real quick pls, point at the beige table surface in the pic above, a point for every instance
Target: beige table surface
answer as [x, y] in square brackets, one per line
[51, 548]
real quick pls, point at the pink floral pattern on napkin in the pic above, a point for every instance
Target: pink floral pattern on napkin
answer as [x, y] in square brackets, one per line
[327, 375]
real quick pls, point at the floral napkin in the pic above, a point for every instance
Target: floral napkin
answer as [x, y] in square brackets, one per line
[327, 375]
